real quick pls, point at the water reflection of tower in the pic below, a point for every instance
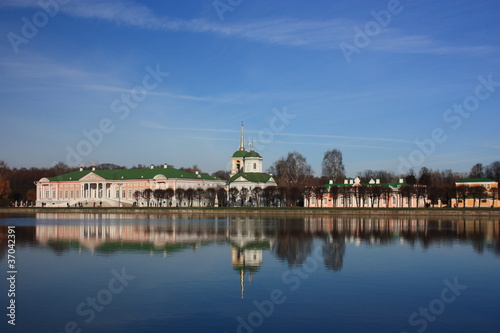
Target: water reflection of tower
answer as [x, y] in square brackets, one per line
[246, 261]
[247, 245]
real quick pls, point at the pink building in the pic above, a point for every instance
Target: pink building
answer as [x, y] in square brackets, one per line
[353, 194]
[114, 188]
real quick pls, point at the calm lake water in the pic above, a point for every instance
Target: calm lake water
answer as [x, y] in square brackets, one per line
[191, 273]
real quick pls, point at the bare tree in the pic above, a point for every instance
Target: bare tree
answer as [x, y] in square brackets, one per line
[477, 192]
[159, 194]
[492, 171]
[169, 194]
[374, 192]
[408, 191]
[192, 169]
[410, 177]
[233, 195]
[425, 177]
[189, 194]
[334, 193]
[179, 196]
[256, 195]
[494, 195]
[477, 171]
[420, 193]
[461, 193]
[333, 166]
[307, 192]
[222, 196]
[147, 194]
[387, 193]
[222, 174]
[243, 196]
[292, 170]
[211, 194]
[5, 191]
[137, 195]
[200, 194]
[295, 196]
[319, 191]
[268, 195]
[280, 194]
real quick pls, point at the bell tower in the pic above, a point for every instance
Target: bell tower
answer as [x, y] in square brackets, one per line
[238, 158]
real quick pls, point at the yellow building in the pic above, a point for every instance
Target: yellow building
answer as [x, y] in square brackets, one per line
[472, 197]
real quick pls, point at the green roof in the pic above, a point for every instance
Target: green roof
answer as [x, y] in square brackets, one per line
[254, 177]
[130, 174]
[252, 153]
[240, 153]
[394, 185]
[475, 180]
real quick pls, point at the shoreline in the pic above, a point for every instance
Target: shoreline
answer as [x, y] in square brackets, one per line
[491, 212]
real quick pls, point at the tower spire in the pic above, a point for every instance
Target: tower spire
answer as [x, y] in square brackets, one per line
[242, 138]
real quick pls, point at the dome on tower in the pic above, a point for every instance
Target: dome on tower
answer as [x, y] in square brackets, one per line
[253, 153]
[240, 153]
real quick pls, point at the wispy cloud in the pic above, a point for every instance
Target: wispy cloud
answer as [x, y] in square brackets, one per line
[325, 136]
[326, 34]
[330, 144]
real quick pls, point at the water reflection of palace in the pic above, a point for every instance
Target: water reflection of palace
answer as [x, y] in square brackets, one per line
[290, 239]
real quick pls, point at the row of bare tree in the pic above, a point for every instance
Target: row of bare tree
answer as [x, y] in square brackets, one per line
[255, 197]
[358, 195]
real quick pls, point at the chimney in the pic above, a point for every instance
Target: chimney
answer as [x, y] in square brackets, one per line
[152, 166]
[81, 168]
[165, 166]
[330, 181]
[93, 168]
[401, 181]
[377, 181]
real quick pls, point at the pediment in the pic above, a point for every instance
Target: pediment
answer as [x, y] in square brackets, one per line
[240, 179]
[91, 177]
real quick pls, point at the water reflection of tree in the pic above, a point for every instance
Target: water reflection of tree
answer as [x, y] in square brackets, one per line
[293, 247]
[24, 236]
[334, 251]
[3, 241]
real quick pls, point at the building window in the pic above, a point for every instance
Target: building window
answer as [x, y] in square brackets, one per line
[53, 194]
[255, 166]
[129, 194]
[71, 194]
[65, 194]
[77, 193]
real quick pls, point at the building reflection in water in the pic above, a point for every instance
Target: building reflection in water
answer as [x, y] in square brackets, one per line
[290, 239]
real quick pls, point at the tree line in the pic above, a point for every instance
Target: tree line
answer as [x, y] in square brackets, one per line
[438, 186]
[294, 176]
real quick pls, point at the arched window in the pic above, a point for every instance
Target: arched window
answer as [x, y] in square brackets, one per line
[255, 166]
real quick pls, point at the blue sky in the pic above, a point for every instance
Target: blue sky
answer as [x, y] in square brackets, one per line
[390, 84]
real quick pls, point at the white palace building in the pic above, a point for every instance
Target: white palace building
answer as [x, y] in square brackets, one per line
[114, 188]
